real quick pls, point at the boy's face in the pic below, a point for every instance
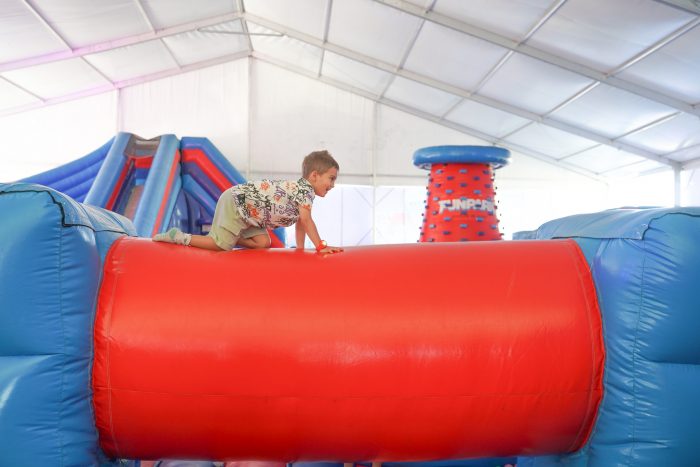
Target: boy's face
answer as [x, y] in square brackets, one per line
[322, 183]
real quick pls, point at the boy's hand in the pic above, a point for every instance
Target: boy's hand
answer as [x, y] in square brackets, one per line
[330, 250]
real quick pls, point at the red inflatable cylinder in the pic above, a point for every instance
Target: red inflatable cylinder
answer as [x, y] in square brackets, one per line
[392, 353]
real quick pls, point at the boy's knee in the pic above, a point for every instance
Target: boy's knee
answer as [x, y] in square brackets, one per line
[263, 242]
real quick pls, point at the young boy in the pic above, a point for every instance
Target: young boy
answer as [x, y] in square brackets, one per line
[244, 212]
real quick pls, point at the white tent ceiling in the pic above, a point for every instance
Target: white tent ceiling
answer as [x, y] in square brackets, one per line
[597, 86]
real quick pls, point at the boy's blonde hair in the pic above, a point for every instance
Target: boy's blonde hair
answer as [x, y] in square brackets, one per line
[320, 161]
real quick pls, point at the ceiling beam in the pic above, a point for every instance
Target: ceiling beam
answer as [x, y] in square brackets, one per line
[634, 174]
[241, 7]
[116, 43]
[655, 171]
[695, 161]
[543, 19]
[689, 6]
[149, 23]
[407, 50]
[29, 4]
[656, 46]
[426, 116]
[401, 5]
[24, 90]
[326, 30]
[324, 45]
[125, 83]
[693, 147]
[691, 164]
[389, 68]
[547, 57]
[657, 122]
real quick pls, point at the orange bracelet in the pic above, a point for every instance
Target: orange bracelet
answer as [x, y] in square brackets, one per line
[321, 245]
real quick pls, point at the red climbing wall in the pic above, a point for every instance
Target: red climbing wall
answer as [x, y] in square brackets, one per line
[460, 204]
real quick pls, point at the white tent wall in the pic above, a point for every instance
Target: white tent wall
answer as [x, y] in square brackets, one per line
[292, 115]
[374, 144]
[44, 138]
[690, 187]
[531, 192]
[399, 135]
[211, 102]
[655, 189]
[265, 119]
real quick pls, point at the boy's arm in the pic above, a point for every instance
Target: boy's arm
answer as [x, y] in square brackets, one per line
[309, 226]
[301, 235]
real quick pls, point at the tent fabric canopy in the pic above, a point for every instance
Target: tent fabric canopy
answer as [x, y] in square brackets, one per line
[601, 88]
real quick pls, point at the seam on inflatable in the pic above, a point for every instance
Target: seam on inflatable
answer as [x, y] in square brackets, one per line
[577, 260]
[575, 251]
[336, 398]
[604, 379]
[661, 216]
[63, 212]
[663, 362]
[63, 331]
[635, 348]
[93, 322]
[108, 345]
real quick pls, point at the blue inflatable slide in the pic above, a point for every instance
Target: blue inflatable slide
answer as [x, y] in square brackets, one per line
[157, 183]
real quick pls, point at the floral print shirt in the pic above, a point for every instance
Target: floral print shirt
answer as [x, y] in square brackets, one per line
[272, 203]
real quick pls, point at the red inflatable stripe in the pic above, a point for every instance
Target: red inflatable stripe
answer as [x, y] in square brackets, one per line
[166, 193]
[207, 167]
[129, 162]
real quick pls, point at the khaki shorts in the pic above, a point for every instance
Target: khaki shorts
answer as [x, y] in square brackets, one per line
[228, 225]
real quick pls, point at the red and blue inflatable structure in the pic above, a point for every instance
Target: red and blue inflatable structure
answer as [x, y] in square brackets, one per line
[574, 345]
[157, 183]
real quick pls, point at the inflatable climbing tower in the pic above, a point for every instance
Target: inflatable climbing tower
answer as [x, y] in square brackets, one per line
[461, 202]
